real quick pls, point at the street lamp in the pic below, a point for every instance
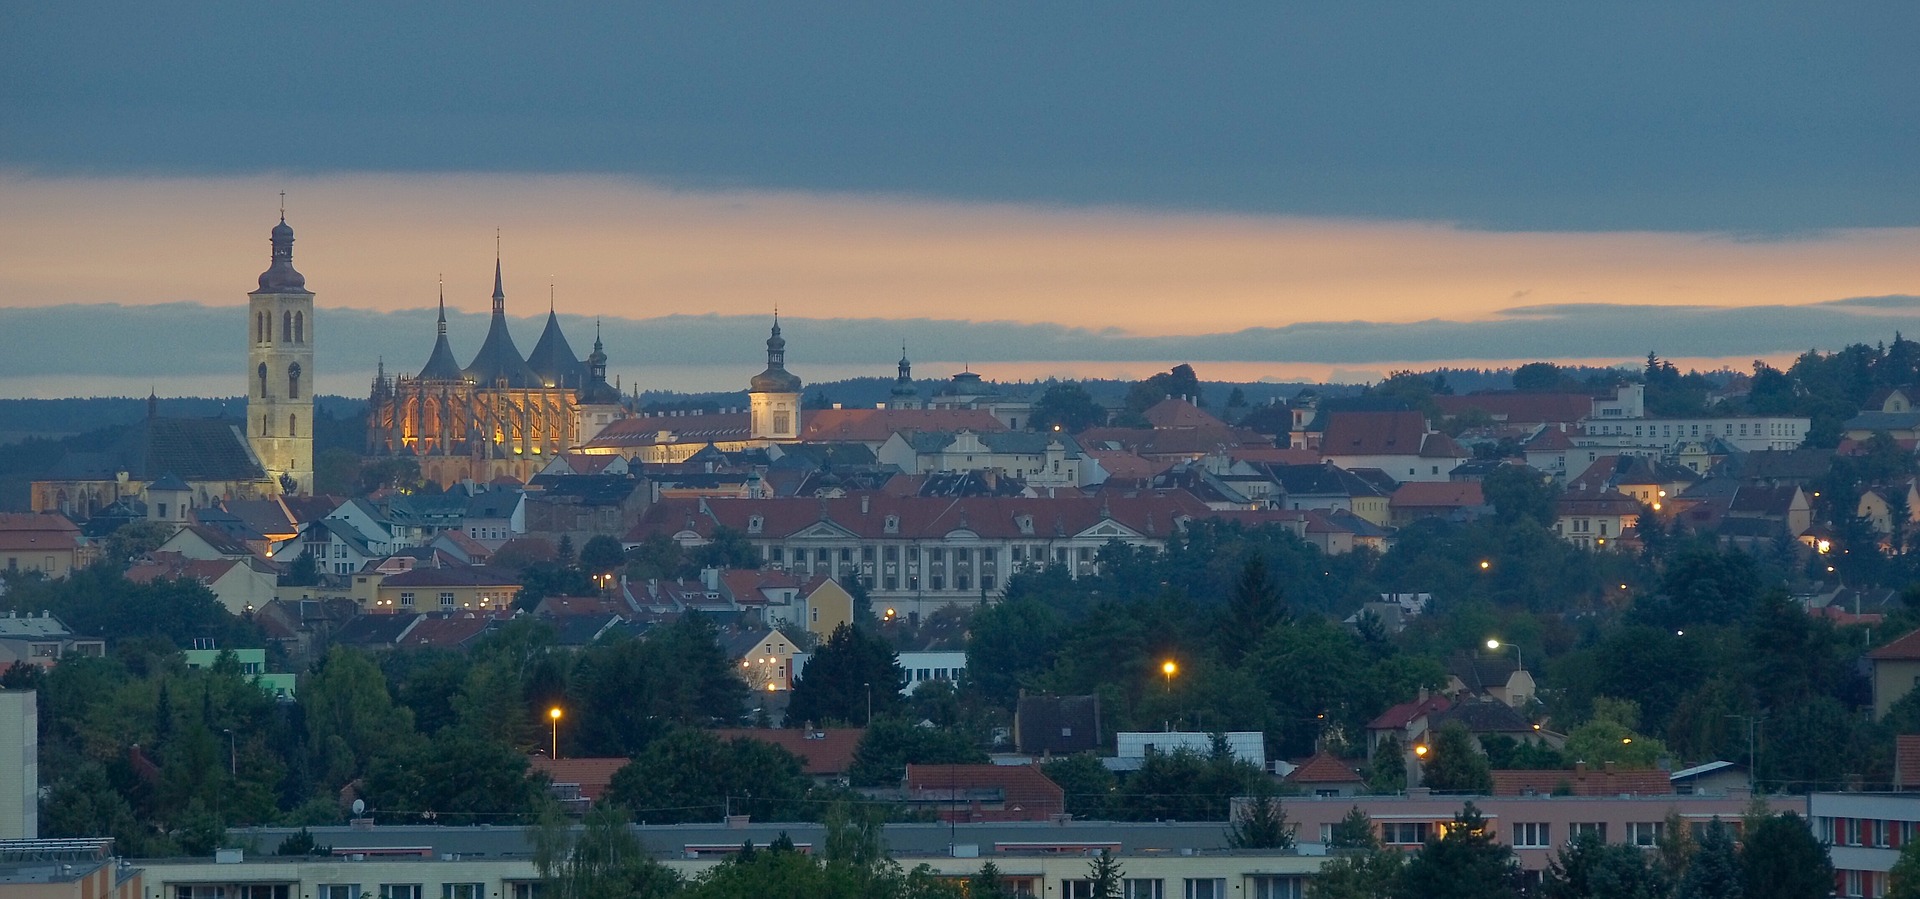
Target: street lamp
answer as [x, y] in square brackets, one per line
[1420, 749]
[553, 714]
[1168, 668]
[1485, 564]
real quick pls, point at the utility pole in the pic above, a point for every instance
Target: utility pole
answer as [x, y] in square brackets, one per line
[1753, 758]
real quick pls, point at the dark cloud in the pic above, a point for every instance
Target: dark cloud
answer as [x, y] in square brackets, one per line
[187, 339]
[1763, 118]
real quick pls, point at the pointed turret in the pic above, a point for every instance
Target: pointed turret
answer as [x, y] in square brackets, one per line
[597, 392]
[441, 366]
[552, 357]
[904, 393]
[499, 362]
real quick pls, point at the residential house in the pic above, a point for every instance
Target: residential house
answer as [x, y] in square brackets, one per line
[1717, 778]
[1646, 480]
[1484, 717]
[42, 640]
[979, 793]
[490, 518]
[48, 543]
[825, 753]
[241, 585]
[338, 546]
[1326, 774]
[1497, 677]
[1407, 722]
[1519, 409]
[1445, 500]
[765, 657]
[470, 588]
[928, 666]
[252, 662]
[577, 783]
[968, 391]
[1896, 669]
[1621, 425]
[1594, 521]
[451, 630]
[1039, 459]
[1328, 487]
[1402, 444]
[581, 507]
[1879, 505]
[1047, 725]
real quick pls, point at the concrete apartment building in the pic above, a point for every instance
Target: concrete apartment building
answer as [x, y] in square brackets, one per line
[1865, 832]
[19, 765]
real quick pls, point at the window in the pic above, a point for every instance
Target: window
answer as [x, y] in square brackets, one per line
[262, 373]
[1273, 886]
[463, 891]
[782, 422]
[286, 326]
[1076, 889]
[1597, 828]
[527, 889]
[339, 891]
[1532, 835]
[1142, 888]
[1403, 833]
[261, 891]
[406, 599]
[1645, 833]
[293, 426]
[938, 581]
[299, 327]
[1206, 888]
[400, 891]
[446, 600]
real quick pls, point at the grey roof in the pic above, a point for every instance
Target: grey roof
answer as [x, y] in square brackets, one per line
[1324, 479]
[194, 449]
[441, 366]
[499, 360]
[170, 482]
[1489, 716]
[1057, 725]
[280, 276]
[1884, 421]
[553, 359]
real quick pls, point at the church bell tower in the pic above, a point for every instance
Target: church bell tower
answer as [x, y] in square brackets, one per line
[280, 369]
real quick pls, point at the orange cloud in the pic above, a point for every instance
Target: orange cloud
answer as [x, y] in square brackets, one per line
[616, 246]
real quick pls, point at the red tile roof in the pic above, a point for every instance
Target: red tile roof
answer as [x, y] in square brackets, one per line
[823, 752]
[592, 775]
[1549, 440]
[876, 425]
[1906, 761]
[1325, 768]
[1438, 494]
[1588, 782]
[1407, 712]
[1277, 455]
[1904, 649]
[1152, 513]
[1174, 412]
[1374, 433]
[463, 576]
[451, 630]
[1028, 795]
[30, 532]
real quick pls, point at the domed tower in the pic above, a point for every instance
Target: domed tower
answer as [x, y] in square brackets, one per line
[280, 369]
[773, 397]
[904, 395]
[598, 402]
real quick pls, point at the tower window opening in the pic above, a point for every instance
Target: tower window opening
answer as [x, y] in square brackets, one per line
[293, 381]
[286, 326]
[299, 327]
[293, 426]
[263, 380]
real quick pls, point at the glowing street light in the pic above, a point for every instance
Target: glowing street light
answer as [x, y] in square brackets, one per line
[1492, 643]
[1420, 750]
[1168, 668]
[554, 715]
[1485, 564]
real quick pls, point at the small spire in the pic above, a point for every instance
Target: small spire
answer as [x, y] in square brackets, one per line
[283, 207]
[499, 291]
[549, 294]
[443, 305]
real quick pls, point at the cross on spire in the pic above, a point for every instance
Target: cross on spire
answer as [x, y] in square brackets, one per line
[283, 207]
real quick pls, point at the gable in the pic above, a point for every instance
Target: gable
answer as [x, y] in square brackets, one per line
[822, 530]
[1108, 529]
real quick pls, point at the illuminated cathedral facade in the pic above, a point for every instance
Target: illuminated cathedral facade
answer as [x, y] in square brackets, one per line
[500, 415]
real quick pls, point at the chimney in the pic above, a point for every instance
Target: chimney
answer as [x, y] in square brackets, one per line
[866, 504]
[1607, 767]
[1579, 769]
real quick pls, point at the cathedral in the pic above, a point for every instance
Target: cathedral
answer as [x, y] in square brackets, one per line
[502, 414]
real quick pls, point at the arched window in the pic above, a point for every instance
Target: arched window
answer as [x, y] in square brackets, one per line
[259, 327]
[299, 327]
[293, 381]
[293, 426]
[263, 380]
[286, 326]
[266, 426]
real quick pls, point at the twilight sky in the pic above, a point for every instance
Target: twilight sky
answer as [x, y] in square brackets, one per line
[1278, 189]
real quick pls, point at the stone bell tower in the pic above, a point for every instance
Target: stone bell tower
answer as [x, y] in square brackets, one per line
[280, 369]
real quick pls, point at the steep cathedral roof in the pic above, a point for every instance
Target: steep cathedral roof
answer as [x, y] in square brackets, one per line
[499, 360]
[553, 359]
[441, 365]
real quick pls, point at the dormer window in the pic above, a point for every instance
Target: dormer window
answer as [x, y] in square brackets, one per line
[754, 524]
[1026, 523]
[893, 524]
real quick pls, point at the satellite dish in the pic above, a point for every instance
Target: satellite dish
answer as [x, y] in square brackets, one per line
[359, 807]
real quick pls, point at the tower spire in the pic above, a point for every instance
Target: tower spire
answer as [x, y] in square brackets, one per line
[443, 305]
[499, 292]
[283, 207]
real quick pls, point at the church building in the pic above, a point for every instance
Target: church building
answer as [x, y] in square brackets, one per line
[280, 369]
[501, 414]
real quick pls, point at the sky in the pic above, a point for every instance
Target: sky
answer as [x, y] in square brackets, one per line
[1277, 190]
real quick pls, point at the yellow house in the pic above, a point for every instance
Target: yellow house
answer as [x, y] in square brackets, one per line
[1896, 669]
[824, 606]
[47, 543]
[764, 656]
[474, 587]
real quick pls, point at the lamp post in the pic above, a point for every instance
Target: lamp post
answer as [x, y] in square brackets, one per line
[1169, 668]
[869, 686]
[553, 714]
[233, 760]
